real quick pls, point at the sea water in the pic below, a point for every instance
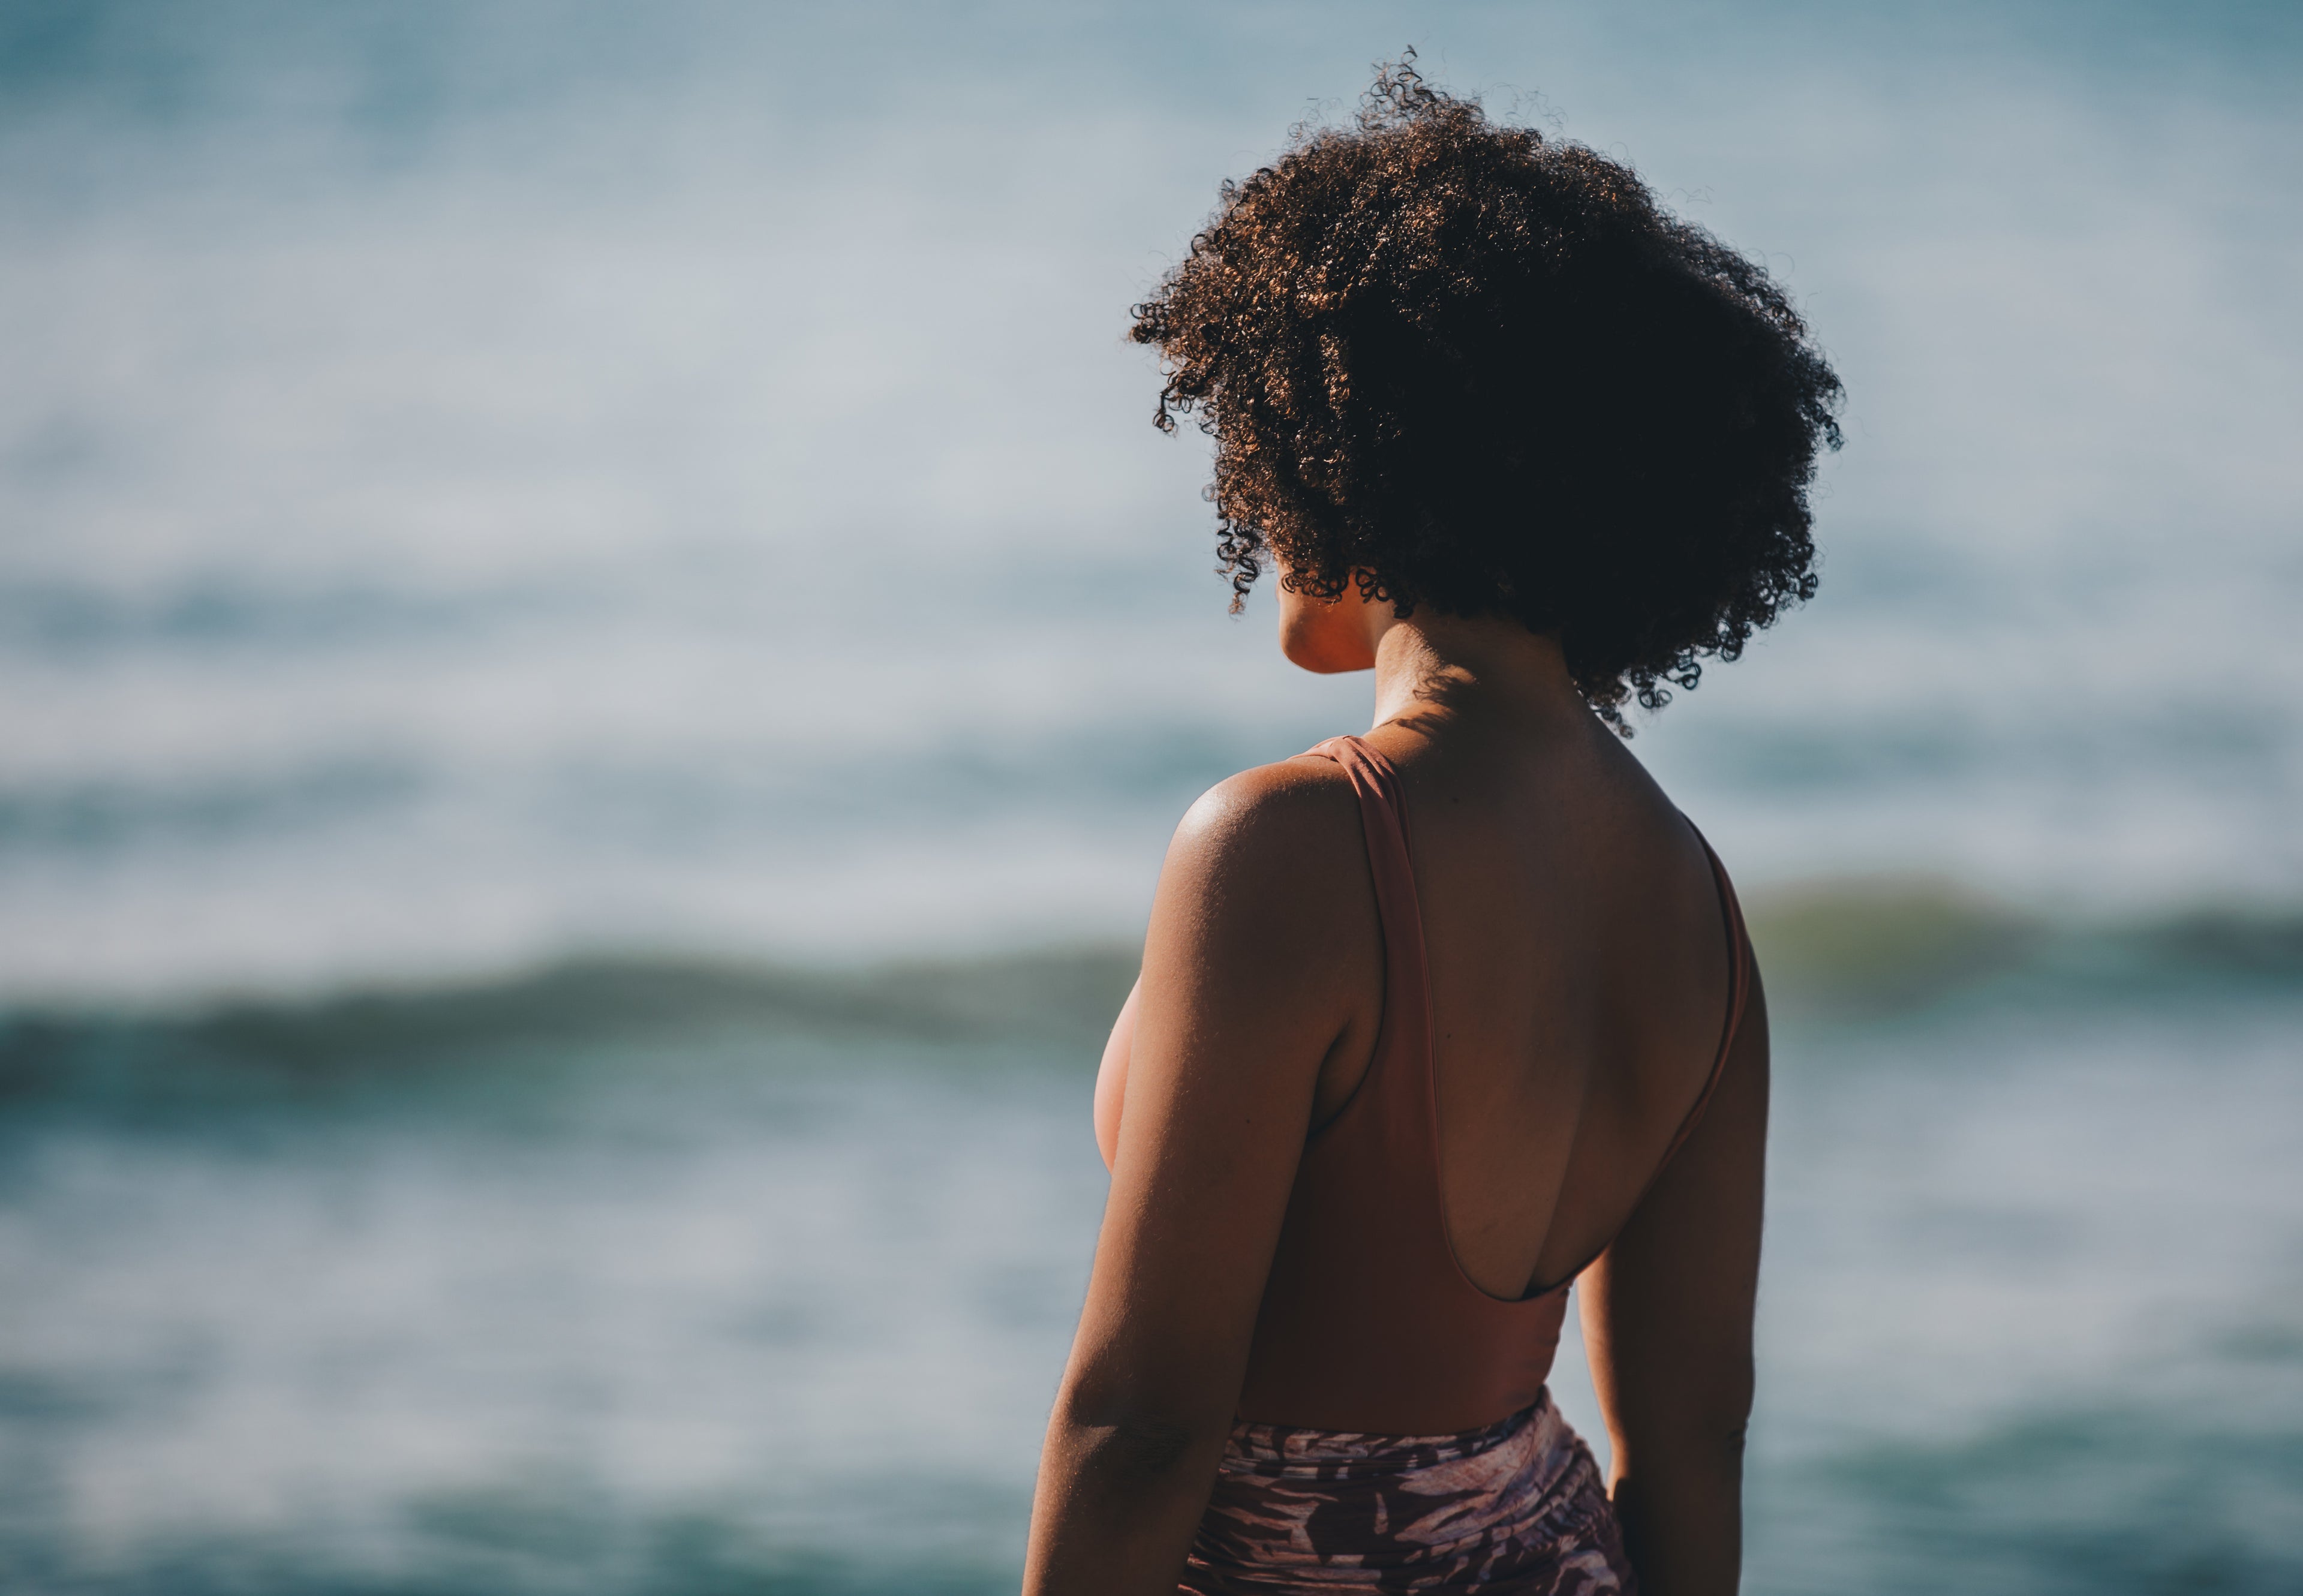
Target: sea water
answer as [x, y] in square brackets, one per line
[770, 1291]
[576, 584]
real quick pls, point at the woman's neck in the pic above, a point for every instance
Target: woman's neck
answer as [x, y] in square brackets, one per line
[1432, 668]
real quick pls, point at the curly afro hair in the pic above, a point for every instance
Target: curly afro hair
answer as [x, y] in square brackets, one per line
[1461, 365]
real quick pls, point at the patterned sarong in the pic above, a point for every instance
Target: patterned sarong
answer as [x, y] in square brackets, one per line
[1516, 1507]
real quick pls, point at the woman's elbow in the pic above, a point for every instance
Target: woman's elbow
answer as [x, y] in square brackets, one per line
[1143, 1450]
[1707, 1445]
[1133, 1445]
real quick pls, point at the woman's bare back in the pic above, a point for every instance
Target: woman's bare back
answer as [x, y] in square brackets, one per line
[1580, 976]
[1579, 960]
[1579, 957]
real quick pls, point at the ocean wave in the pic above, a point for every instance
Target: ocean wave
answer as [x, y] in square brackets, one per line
[1062, 999]
[1886, 944]
[1893, 944]
[1832, 952]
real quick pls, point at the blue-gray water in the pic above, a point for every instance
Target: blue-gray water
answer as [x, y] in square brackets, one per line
[675, 1279]
[618, 532]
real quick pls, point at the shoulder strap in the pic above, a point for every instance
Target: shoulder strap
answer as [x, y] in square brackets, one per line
[1383, 815]
[1739, 991]
[1406, 1025]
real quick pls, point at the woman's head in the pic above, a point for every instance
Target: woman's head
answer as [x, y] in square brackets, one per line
[1453, 364]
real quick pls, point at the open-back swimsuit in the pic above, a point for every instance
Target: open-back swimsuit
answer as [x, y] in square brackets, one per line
[1395, 1431]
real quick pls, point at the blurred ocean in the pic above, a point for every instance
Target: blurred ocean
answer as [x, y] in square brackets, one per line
[596, 652]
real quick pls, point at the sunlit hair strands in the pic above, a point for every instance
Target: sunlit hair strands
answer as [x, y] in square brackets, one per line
[1461, 365]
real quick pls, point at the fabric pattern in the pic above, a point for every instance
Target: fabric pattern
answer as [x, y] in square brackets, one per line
[1516, 1507]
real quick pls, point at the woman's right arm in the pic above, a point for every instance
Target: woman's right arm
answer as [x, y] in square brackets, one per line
[1263, 943]
[1667, 1324]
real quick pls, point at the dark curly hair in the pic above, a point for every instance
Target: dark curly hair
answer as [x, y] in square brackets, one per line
[1461, 365]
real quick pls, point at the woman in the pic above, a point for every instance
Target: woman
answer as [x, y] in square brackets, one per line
[1437, 1021]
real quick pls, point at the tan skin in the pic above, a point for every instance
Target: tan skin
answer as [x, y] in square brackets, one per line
[1580, 978]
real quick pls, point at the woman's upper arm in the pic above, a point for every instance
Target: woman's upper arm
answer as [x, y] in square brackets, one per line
[1261, 936]
[1668, 1309]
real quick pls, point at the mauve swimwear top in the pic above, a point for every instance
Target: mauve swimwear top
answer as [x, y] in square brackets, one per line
[1368, 1324]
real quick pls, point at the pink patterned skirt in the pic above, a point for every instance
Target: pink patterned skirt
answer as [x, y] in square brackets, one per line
[1516, 1507]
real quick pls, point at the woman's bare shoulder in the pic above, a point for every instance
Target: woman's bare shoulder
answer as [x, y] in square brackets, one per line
[1271, 864]
[1273, 821]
